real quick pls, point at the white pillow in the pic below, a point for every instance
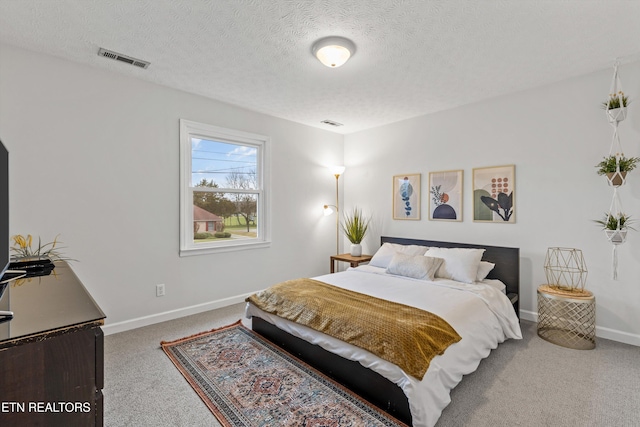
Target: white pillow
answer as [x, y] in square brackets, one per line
[383, 256]
[460, 264]
[414, 266]
[495, 283]
[484, 269]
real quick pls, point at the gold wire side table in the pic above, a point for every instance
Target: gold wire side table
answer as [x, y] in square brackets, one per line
[567, 318]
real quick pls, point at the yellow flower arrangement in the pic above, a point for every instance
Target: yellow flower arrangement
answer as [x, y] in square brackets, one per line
[22, 248]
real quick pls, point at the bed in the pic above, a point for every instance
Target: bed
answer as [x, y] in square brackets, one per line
[483, 313]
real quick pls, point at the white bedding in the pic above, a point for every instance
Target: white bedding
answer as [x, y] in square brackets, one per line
[481, 314]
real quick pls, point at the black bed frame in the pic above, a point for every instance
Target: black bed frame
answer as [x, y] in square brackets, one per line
[365, 382]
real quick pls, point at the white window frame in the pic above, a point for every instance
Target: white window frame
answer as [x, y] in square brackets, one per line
[190, 129]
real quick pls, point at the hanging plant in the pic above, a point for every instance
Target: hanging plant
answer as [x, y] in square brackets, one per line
[615, 222]
[616, 107]
[616, 100]
[616, 168]
[616, 227]
[610, 164]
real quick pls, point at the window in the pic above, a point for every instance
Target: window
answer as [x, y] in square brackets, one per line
[223, 201]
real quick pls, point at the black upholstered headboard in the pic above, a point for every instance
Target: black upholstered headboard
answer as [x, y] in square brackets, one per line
[507, 261]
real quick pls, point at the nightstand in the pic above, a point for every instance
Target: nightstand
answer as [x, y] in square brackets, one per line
[567, 318]
[353, 261]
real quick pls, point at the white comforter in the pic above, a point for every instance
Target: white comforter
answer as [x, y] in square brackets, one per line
[482, 315]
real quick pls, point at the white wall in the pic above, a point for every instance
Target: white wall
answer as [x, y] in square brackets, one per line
[555, 135]
[94, 157]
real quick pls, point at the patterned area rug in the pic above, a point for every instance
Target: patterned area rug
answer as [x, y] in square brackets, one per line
[247, 381]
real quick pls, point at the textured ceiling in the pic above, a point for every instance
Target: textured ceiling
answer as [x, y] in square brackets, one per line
[413, 57]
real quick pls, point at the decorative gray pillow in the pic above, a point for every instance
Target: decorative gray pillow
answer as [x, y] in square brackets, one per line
[414, 266]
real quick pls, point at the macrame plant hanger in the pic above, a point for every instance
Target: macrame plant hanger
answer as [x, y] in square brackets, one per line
[616, 95]
[618, 235]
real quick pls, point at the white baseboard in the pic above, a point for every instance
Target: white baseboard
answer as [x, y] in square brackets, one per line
[531, 316]
[601, 332]
[615, 335]
[171, 315]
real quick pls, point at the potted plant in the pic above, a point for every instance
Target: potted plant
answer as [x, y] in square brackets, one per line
[37, 261]
[616, 106]
[355, 226]
[616, 226]
[616, 168]
[23, 252]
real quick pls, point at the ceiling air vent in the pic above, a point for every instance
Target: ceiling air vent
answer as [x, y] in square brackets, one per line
[331, 123]
[123, 58]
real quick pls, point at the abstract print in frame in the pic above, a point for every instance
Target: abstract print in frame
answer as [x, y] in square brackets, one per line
[494, 194]
[445, 201]
[406, 196]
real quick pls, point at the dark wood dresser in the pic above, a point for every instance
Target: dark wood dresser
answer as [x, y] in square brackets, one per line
[51, 353]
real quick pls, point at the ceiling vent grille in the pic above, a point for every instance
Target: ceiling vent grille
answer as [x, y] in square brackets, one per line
[331, 123]
[123, 58]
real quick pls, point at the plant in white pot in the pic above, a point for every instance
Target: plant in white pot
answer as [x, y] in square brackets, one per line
[616, 226]
[616, 106]
[355, 226]
[616, 168]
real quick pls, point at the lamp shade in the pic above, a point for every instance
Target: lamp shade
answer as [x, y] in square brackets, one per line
[337, 170]
[328, 210]
[333, 51]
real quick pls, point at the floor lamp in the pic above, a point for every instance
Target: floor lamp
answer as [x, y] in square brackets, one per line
[328, 209]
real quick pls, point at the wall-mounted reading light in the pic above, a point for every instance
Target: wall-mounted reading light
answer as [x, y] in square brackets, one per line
[329, 209]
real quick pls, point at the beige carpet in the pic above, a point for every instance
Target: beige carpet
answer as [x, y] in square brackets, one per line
[529, 382]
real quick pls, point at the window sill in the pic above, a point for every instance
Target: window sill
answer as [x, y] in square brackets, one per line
[224, 248]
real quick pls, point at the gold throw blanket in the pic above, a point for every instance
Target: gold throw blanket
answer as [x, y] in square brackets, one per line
[403, 335]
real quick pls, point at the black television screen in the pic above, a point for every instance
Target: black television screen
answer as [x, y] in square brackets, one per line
[4, 209]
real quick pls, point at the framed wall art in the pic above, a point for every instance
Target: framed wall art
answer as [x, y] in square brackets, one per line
[406, 196]
[494, 194]
[445, 195]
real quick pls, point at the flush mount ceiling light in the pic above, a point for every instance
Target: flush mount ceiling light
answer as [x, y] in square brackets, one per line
[333, 51]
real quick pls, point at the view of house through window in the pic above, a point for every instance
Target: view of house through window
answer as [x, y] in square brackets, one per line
[225, 190]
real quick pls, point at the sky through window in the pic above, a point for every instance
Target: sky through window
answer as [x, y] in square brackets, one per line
[216, 161]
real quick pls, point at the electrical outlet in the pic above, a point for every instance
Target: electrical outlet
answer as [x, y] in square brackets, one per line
[160, 290]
